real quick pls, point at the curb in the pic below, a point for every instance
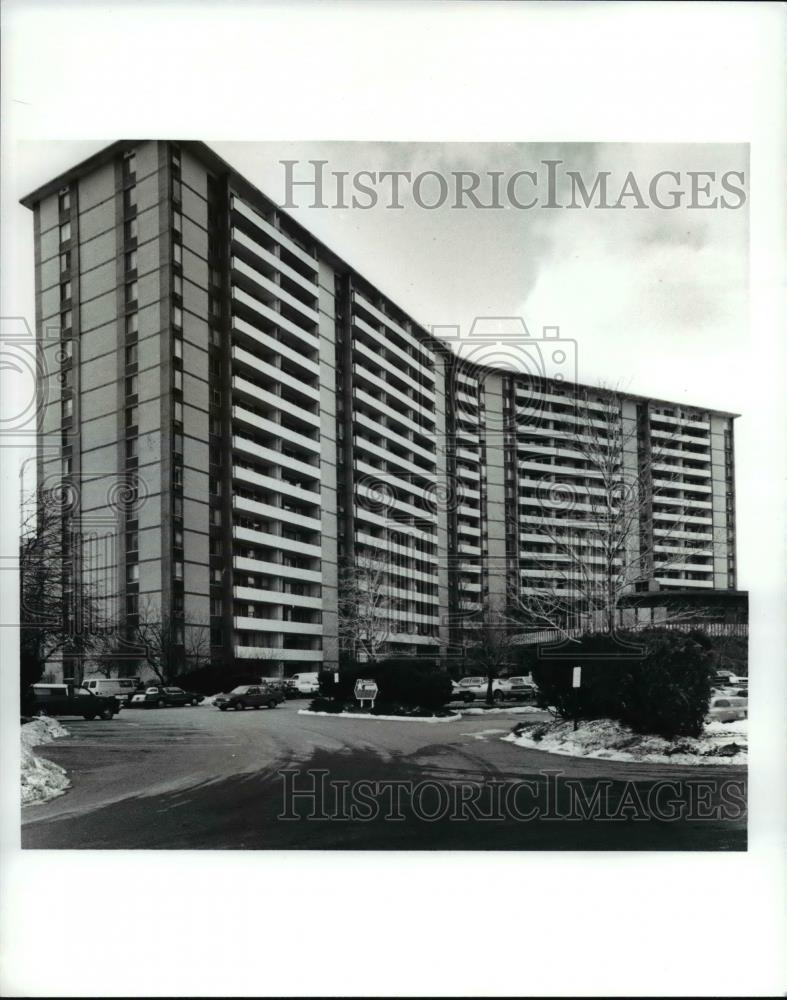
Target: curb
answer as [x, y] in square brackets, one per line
[383, 718]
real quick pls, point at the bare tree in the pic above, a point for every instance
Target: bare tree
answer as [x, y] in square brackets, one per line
[59, 614]
[364, 606]
[167, 644]
[596, 526]
[490, 645]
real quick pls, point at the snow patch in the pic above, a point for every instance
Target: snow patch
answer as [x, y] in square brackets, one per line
[41, 779]
[514, 710]
[607, 740]
[383, 718]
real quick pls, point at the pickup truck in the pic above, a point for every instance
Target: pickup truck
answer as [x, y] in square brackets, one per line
[63, 699]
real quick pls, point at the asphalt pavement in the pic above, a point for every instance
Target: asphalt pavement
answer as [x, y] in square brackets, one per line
[198, 778]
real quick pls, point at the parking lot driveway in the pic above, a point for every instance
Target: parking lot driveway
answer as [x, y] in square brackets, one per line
[199, 778]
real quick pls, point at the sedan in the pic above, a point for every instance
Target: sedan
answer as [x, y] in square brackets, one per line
[159, 696]
[249, 696]
[470, 688]
[727, 709]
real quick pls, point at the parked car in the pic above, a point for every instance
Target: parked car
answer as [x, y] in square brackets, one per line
[308, 683]
[470, 688]
[250, 696]
[521, 688]
[723, 708]
[63, 699]
[160, 696]
[112, 687]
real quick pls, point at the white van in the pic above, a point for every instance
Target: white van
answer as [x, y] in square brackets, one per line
[306, 683]
[120, 687]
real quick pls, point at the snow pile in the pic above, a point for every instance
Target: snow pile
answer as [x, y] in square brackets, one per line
[209, 701]
[607, 740]
[41, 779]
[512, 710]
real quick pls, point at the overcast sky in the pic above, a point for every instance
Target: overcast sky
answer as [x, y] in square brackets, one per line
[655, 300]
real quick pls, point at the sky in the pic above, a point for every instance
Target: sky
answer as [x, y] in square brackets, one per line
[650, 300]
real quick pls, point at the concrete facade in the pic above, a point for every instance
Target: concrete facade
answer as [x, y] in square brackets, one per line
[243, 417]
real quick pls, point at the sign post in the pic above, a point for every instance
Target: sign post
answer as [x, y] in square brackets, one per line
[366, 690]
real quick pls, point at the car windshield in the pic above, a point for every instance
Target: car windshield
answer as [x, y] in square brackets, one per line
[174, 690]
[472, 680]
[240, 690]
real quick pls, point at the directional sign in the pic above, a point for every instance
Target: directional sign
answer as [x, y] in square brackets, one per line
[366, 690]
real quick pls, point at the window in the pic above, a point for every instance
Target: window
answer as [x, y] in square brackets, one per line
[132, 415]
[178, 411]
[215, 576]
[131, 260]
[215, 606]
[131, 354]
[131, 447]
[67, 408]
[177, 346]
[132, 604]
[179, 628]
[132, 323]
[66, 465]
[175, 158]
[132, 289]
[129, 165]
[177, 442]
[177, 475]
[65, 261]
[177, 538]
[132, 385]
[132, 573]
[66, 320]
[178, 569]
[215, 516]
[179, 380]
[67, 348]
[177, 254]
[65, 291]
[177, 317]
[176, 189]
[130, 199]
[130, 230]
[64, 201]
[65, 232]
[177, 222]
[177, 285]
[132, 541]
[177, 506]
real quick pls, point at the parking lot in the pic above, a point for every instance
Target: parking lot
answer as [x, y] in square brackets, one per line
[201, 778]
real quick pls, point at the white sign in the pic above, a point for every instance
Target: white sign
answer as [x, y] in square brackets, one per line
[366, 690]
[577, 678]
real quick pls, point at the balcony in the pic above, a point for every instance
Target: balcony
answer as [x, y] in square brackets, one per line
[242, 327]
[275, 234]
[247, 565]
[242, 415]
[251, 594]
[243, 387]
[377, 361]
[273, 513]
[270, 290]
[412, 340]
[309, 338]
[277, 542]
[250, 245]
[245, 624]
[242, 444]
[275, 374]
[274, 653]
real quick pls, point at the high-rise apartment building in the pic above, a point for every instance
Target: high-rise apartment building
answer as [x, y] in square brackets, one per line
[244, 419]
